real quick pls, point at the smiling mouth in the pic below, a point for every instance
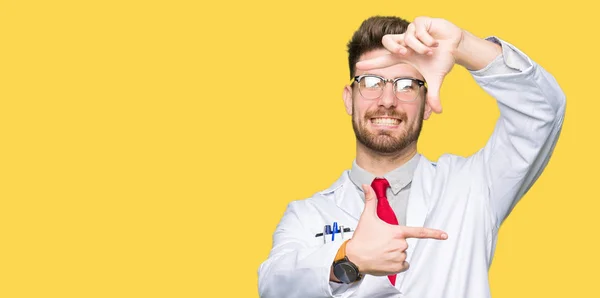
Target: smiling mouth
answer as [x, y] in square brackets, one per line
[385, 121]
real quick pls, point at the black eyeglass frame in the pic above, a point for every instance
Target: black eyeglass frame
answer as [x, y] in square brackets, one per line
[421, 83]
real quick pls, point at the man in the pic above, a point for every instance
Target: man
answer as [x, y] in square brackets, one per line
[417, 228]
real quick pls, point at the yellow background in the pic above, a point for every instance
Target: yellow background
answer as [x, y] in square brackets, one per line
[149, 148]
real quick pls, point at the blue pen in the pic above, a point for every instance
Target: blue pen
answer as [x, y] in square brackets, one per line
[335, 229]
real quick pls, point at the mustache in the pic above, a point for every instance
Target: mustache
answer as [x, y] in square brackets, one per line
[383, 112]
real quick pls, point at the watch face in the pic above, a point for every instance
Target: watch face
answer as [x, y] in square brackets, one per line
[345, 272]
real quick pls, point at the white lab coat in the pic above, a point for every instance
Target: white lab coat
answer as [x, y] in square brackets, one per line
[467, 197]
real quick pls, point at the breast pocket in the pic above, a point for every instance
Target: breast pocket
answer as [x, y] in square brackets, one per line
[327, 235]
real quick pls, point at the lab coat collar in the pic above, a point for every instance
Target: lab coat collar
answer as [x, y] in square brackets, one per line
[346, 196]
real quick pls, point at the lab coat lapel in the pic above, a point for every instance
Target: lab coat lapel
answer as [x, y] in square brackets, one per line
[417, 202]
[347, 197]
[350, 201]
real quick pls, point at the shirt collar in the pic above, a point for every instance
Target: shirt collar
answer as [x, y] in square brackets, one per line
[398, 178]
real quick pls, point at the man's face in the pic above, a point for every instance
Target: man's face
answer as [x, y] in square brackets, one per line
[386, 125]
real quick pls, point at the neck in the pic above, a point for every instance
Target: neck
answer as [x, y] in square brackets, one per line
[378, 163]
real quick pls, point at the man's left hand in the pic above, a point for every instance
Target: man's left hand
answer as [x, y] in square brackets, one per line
[429, 45]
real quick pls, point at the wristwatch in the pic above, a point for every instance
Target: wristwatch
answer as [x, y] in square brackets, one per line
[343, 269]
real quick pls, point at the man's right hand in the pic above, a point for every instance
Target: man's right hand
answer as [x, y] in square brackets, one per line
[378, 248]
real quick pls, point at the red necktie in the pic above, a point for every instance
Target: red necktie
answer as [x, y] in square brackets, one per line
[384, 210]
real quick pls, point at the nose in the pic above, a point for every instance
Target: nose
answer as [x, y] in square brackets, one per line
[388, 98]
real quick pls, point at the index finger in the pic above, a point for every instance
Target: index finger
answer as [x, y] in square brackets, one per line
[394, 43]
[379, 62]
[423, 233]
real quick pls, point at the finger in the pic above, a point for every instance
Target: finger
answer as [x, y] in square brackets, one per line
[370, 201]
[422, 32]
[403, 245]
[433, 93]
[403, 267]
[397, 263]
[423, 233]
[394, 43]
[433, 100]
[379, 62]
[400, 257]
[412, 42]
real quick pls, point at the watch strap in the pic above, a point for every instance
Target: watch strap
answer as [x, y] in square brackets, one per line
[341, 253]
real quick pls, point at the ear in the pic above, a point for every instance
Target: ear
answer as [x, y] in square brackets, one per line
[427, 112]
[347, 95]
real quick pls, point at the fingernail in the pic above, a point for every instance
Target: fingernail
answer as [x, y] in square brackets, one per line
[444, 236]
[403, 51]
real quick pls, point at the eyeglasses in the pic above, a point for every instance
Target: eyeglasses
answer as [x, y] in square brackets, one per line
[371, 87]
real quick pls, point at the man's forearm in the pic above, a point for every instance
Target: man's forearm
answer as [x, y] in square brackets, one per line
[475, 53]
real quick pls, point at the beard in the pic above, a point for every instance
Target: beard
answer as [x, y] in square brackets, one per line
[385, 141]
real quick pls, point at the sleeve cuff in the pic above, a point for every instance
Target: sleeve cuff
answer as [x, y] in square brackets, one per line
[510, 61]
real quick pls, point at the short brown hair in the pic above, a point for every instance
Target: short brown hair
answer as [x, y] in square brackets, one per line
[369, 34]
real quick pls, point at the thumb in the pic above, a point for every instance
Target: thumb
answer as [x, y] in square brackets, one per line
[370, 202]
[433, 94]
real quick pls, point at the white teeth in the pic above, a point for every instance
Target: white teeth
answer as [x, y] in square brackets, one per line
[385, 121]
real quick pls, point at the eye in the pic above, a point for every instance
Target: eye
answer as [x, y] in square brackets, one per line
[406, 85]
[371, 82]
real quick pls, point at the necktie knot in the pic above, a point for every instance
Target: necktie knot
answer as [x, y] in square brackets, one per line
[380, 186]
